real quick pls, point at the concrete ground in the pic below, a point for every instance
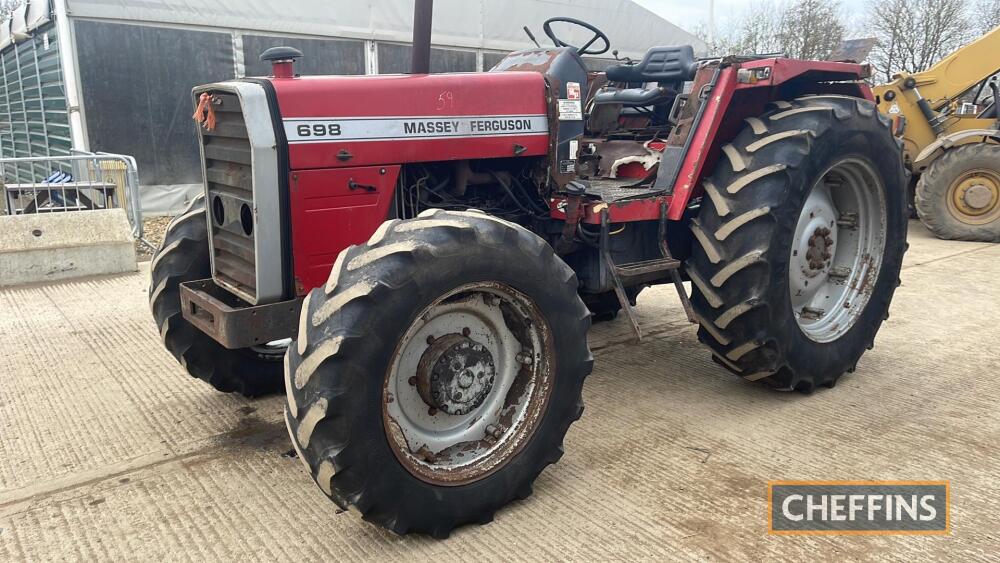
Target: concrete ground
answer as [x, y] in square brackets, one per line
[109, 451]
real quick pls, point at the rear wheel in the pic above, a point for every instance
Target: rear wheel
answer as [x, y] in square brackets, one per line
[184, 257]
[436, 374]
[958, 196]
[800, 237]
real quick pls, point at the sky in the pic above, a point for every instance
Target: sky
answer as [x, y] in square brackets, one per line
[688, 14]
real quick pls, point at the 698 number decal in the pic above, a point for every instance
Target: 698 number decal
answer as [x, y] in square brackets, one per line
[318, 130]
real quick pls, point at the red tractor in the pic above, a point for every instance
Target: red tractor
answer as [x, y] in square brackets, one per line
[415, 259]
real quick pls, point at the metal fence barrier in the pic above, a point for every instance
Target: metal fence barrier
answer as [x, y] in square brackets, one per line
[77, 182]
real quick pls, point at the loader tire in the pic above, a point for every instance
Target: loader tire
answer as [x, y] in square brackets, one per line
[777, 214]
[958, 196]
[182, 257]
[451, 287]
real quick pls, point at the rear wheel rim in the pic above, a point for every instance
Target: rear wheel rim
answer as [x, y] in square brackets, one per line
[488, 345]
[837, 251]
[974, 197]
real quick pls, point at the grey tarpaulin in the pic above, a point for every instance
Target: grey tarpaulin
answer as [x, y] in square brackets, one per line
[137, 83]
[325, 56]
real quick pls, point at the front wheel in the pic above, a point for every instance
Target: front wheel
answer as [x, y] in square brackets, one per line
[437, 372]
[184, 257]
[800, 241]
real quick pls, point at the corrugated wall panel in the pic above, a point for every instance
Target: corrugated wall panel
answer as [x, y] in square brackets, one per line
[33, 117]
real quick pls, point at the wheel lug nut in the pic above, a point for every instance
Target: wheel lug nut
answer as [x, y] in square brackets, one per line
[466, 331]
[432, 411]
[412, 380]
[430, 339]
[494, 431]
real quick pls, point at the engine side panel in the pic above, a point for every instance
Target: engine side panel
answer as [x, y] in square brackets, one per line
[347, 137]
[331, 210]
[348, 121]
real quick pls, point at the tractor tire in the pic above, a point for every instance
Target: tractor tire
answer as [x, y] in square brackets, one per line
[182, 257]
[958, 196]
[366, 416]
[777, 214]
[605, 306]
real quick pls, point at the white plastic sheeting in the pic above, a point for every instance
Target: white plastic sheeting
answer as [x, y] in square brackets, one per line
[482, 24]
[168, 199]
[18, 23]
[23, 20]
[39, 13]
[5, 39]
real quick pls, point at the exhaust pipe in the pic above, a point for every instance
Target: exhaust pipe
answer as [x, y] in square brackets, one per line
[422, 12]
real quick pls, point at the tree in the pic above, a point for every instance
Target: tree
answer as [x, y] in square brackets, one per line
[912, 38]
[758, 31]
[811, 29]
[987, 15]
[808, 29]
[8, 6]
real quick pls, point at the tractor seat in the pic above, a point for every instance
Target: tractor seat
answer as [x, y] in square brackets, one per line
[661, 64]
[633, 97]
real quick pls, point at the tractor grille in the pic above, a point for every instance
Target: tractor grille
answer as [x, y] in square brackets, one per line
[230, 198]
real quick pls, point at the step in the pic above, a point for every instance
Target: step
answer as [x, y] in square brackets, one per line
[647, 270]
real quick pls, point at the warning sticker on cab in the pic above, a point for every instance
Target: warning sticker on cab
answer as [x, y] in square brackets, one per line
[570, 110]
[573, 90]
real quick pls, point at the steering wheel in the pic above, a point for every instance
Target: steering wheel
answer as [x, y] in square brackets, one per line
[585, 50]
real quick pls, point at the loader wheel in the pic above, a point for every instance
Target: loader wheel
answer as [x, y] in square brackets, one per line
[183, 257]
[437, 372]
[801, 236]
[958, 196]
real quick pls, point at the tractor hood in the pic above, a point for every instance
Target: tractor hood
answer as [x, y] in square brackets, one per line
[347, 121]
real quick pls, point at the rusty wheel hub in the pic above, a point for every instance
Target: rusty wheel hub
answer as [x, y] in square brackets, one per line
[468, 383]
[821, 246]
[837, 250]
[455, 374]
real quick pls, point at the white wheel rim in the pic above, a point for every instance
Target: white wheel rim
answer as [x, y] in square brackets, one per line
[837, 251]
[460, 447]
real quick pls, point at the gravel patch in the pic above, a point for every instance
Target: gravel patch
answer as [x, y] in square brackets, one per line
[153, 229]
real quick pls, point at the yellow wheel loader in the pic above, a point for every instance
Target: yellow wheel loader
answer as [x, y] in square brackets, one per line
[948, 121]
